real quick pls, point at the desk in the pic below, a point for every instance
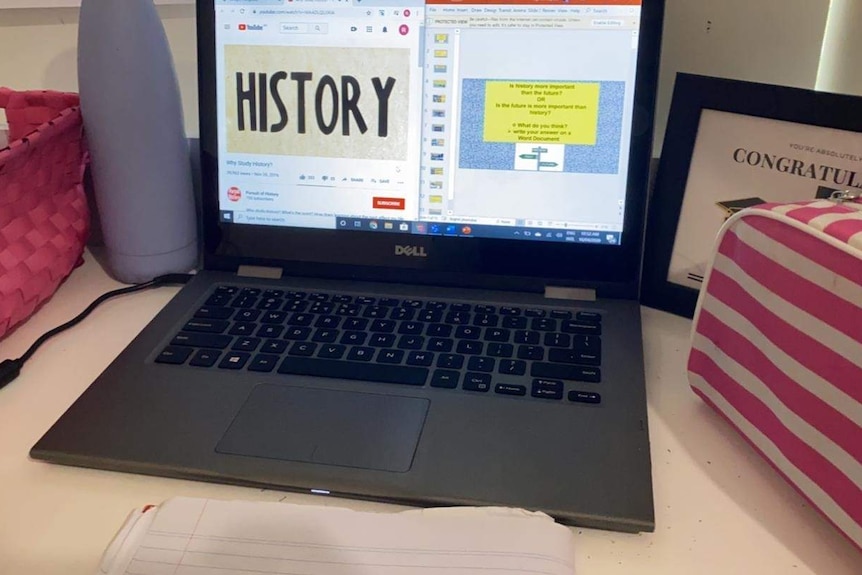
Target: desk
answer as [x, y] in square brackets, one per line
[720, 509]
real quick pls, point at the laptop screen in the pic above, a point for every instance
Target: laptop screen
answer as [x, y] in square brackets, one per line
[502, 119]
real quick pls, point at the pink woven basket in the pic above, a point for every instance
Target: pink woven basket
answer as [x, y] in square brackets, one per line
[44, 217]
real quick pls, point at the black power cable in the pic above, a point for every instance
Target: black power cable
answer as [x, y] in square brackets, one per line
[11, 368]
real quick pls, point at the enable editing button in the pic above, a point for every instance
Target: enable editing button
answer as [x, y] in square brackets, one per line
[388, 203]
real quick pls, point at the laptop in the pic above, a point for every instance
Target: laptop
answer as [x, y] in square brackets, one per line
[422, 232]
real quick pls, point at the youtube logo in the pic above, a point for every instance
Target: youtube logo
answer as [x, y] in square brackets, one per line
[242, 26]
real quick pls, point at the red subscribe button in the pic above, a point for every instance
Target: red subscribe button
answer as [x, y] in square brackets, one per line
[388, 203]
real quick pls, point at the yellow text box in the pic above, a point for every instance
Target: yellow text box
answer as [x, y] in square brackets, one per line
[544, 112]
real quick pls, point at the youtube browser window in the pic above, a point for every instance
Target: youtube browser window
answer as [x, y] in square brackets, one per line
[494, 118]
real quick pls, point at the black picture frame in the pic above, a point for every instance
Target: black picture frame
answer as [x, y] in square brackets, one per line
[692, 95]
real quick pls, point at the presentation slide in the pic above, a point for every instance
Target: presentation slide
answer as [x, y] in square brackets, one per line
[539, 125]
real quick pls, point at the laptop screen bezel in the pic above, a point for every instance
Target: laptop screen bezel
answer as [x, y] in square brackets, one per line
[477, 262]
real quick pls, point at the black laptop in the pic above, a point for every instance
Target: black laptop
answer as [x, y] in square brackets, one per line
[423, 228]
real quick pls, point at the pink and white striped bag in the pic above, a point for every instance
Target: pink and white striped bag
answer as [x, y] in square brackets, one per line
[777, 345]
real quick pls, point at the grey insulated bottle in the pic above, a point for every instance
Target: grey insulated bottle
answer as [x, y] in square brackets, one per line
[133, 120]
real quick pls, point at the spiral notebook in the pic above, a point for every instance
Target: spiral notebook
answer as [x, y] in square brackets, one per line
[204, 536]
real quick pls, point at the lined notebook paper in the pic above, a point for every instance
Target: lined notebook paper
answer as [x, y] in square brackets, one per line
[188, 536]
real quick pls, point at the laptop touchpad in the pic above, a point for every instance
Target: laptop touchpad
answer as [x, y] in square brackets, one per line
[330, 427]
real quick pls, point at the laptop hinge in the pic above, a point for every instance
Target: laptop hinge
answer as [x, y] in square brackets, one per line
[569, 293]
[260, 272]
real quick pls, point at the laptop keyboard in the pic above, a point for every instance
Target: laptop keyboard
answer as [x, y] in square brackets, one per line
[538, 352]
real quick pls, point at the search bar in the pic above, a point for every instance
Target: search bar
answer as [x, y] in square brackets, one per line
[303, 28]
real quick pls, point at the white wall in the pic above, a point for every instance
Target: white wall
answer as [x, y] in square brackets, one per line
[774, 41]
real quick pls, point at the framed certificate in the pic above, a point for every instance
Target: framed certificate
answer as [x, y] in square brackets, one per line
[730, 145]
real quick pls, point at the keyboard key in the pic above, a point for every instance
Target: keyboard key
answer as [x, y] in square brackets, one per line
[479, 363]
[219, 300]
[250, 292]
[445, 378]
[247, 315]
[389, 301]
[328, 321]
[589, 316]
[486, 320]
[296, 295]
[435, 305]
[214, 312]
[390, 356]
[438, 330]
[477, 382]
[243, 328]
[411, 328]
[510, 389]
[348, 309]
[458, 318]
[497, 334]
[509, 310]
[412, 303]
[332, 351]
[533, 352]
[457, 307]
[270, 303]
[318, 307]
[274, 317]
[354, 337]
[263, 363]
[297, 306]
[205, 358]
[301, 319]
[400, 374]
[202, 340]
[470, 347]
[543, 324]
[270, 331]
[484, 309]
[564, 371]
[273, 293]
[561, 314]
[383, 325]
[430, 316]
[342, 298]
[591, 343]
[527, 337]
[411, 342]
[501, 349]
[234, 360]
[376, 312]
[303, 349]
[512, 367]
[547, 389]
[534, 312]
[585, 397]
[467, 332]
[382, 340]
[450, 361]
[274, 346]
[246, 344]
[581, 327]
[318, 297]
[174, 355]
[297, 333]
[440, 344]
[573, 356]
[206, 325]
[515, 322]
[325, 335]
[365, 300]
[555, 339]
[360, 354]
[227, 289]
[403, 313]
[355, 324]
[423, 358]
[244, 302]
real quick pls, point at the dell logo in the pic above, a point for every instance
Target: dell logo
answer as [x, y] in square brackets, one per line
[413, 251]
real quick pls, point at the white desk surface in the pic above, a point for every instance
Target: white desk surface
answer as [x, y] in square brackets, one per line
[720, 509]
